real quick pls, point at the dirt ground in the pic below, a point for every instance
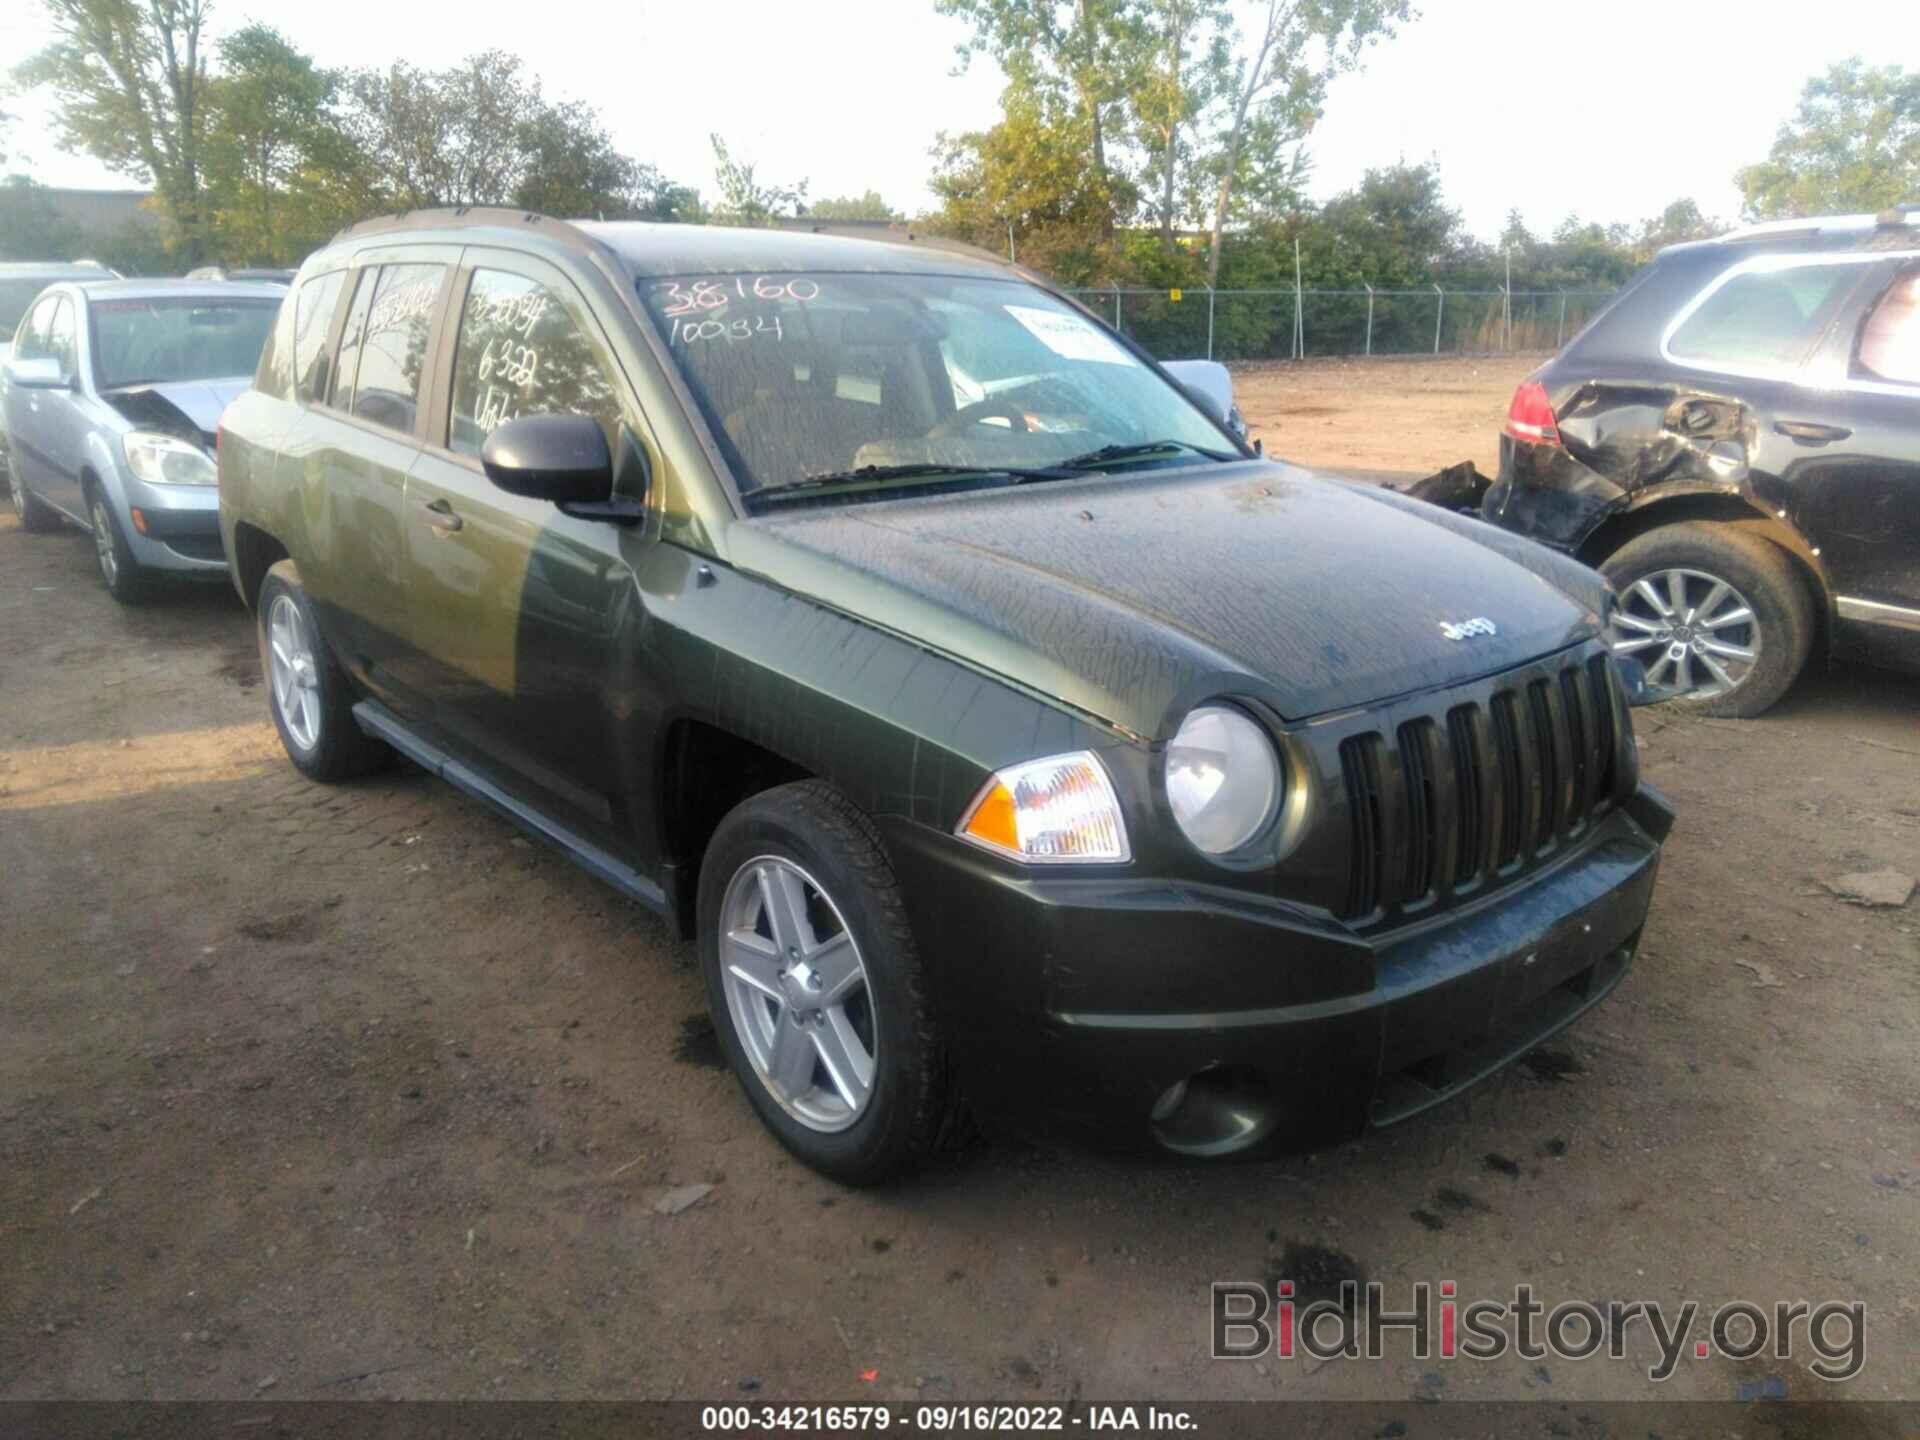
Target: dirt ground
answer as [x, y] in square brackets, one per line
[333, 1093]
[1414, 416]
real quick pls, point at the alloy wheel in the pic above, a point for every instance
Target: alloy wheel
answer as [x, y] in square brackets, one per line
[797, 993]
[296, 672]
[1695, 633]
[103, 544]
[18, 491]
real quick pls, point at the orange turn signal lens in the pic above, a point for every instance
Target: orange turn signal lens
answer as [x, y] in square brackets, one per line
[1058, 811]
[139, 519]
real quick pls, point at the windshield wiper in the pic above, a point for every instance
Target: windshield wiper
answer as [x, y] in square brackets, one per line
[1108, 453]
[814, 484]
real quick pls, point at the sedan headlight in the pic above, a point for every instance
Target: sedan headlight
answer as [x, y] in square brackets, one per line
[168, 460]
[1057, 811]
[1223, 778]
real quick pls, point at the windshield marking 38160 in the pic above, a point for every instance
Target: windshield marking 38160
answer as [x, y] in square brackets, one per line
[831, 384]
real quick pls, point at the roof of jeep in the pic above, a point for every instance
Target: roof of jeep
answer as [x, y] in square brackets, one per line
[660, 250]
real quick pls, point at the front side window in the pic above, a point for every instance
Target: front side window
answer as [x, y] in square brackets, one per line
[393, 345]
[1763, 319]
[522, 351]
[1889, 345]
[807, 376]
[31, 341]
[312, 323]
[171, 338]
[60, 344]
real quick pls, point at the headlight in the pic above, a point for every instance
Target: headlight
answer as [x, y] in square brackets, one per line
[1057, 811]
[166, 460]
[1223, 778]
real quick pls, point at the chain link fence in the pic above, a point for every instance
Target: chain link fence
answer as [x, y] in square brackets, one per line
[1288, 324]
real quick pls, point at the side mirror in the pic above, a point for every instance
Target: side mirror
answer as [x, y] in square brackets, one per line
[559, 458]
[45, 374]
[563, 459]
[1211, 386]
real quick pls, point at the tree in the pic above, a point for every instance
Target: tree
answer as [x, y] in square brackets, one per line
[270, 117]
[1301, 45]
[1030, 173]
[744, 200]
[1086, 56]
[853, 207]
[445, 137]
[1173, 90]
[129, 80]
[1679, 222]
[1853, 144]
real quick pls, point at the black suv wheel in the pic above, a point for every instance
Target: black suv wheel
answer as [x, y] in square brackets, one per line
[816, 987]
[307, 692]
[1716, 615]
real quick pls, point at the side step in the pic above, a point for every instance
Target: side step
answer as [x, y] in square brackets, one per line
[383, 724]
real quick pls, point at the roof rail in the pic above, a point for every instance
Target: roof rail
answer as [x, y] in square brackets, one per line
[1827, 224]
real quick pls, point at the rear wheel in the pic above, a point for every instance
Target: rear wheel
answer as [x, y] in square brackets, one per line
[1716, 615]
[307, 692]
[33, 515]
[126, 579]
[816, 987]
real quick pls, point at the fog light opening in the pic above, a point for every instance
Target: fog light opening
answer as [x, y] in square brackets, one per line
[1216, 1111]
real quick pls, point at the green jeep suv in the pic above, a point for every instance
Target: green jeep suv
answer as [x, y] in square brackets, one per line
[1004, 729]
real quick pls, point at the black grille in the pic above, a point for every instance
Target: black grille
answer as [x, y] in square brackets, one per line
[1360, 761]
[1481, 793]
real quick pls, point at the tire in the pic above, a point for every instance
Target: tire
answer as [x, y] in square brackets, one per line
[811, 830]
[1705, 554]
[126, 579]
[34, 517]
[307, 692]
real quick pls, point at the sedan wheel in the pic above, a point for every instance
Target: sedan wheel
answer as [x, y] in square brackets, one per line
[103, 548]
[1695, 633]
[797, 993]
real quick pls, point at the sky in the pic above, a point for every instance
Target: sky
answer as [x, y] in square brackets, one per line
[1608, 111]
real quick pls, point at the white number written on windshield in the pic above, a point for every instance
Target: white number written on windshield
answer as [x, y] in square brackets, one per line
[688, 297]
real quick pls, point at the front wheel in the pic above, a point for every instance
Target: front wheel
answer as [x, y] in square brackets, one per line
[1716, 615]
[125, 578]
[816, 987]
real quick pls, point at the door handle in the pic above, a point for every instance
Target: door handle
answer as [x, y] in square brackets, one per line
[1807, 432]
[440, 516]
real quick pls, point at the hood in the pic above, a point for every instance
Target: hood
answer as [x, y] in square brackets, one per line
[1132, 598]
[190, 409]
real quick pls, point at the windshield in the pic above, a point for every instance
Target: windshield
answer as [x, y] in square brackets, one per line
[804, 376]
[154, 341]
[15, 297]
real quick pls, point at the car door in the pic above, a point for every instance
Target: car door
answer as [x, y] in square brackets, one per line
[1856, 488]
[515, 605]
[62, 421]
[351, 461]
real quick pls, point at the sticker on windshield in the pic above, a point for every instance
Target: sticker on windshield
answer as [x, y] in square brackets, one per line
[1067, 334]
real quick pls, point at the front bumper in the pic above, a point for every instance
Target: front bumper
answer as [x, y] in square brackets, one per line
[177, 527]
[1309, 1033]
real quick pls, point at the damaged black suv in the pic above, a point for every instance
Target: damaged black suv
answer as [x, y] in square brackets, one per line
[1735, 444]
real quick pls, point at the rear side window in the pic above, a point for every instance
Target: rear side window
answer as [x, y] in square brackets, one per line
[312, 321]
[1763, 319]
[393, 349]
[522, 351]
[1889, 347]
